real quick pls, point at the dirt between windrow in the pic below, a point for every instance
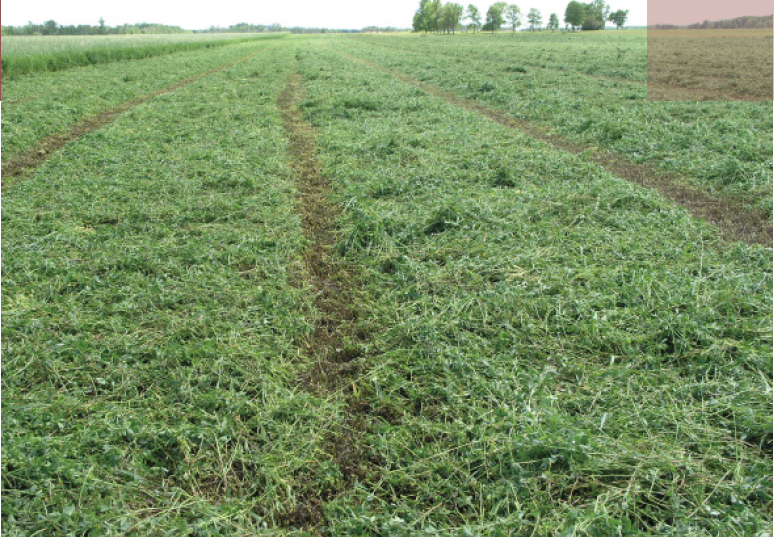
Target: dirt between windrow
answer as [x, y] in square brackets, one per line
[736, 220]
[25, 163]
[333, 347]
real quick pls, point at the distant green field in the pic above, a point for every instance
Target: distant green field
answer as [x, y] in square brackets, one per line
[481, 335]
[29, 54]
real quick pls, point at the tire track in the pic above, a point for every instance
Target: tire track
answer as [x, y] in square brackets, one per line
[25, 163]
[735, 220]
[333, 347]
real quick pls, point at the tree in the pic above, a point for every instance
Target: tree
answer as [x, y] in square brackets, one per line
[513, 16]
[535, 18]
[419, 17]
[602, 10]
[575, 14]
[449, 17]
[494, 16]
[432, 16]
[49, 27]
[474, 16]
[618, 17]
[416, 22]
[553, 22]
[444, 18]
[456, 11]
[101, 25]
[596, 15]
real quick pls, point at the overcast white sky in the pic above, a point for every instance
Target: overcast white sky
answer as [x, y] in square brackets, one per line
[194, 15]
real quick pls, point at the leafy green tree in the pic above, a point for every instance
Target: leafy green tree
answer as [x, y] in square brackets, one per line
[535, 18]
[575, 14]
[416, 22]
[433, 15]
[494, 16]
[601, 9]
[596, 15]
[513, 16]
[474, 16]
[456, 14]
[426, 18]
[618, 17]
[443, 18]
[49, 27]
[553, 22]
[419, 17]
[449, 17]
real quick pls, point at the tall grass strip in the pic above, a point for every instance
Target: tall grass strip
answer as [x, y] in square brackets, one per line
[13, 65]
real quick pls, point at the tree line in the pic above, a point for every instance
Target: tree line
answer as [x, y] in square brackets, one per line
[751, 22]
[747, 23]
[435, 16]
[51, 27]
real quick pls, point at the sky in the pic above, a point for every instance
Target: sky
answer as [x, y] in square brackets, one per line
[197, 15]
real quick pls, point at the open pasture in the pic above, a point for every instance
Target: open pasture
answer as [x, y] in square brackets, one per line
[298, 292]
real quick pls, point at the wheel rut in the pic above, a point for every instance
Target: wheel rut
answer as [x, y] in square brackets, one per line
[25, 163]
[736, 220]
[334, 346]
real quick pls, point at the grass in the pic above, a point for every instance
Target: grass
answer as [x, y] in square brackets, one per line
[537, 346]
[24, 55]
[44, 104]
[593, 90]
[149, 335]
[550, 345]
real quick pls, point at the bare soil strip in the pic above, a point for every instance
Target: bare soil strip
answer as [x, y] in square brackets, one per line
[333, 344]
[25, 163]
[735, 220]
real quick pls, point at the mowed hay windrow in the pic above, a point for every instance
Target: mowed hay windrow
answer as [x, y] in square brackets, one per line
[386, 284]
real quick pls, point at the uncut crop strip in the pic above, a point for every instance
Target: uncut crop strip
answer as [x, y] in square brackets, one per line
[25, 163]
[335, 359]
[18, 63]
[736, 221]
